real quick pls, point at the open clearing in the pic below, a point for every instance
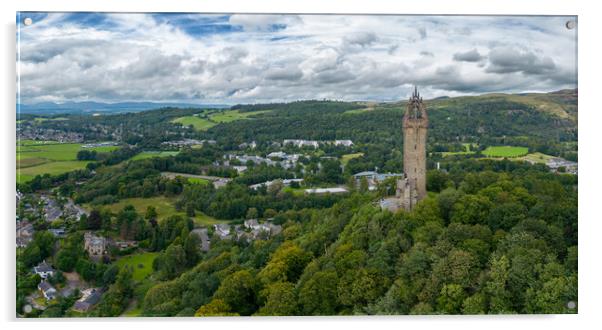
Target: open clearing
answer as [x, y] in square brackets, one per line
[346, 158]
[141, 263]
[153, 154]
[164, 206]
[200, 124]
[505, 151]
[536, 157]
[467, 151]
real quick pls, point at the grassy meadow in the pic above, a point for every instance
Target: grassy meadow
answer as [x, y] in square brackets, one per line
[505, 151]
[141, 263]
[153, 154]
[41, 157]
[214, 118]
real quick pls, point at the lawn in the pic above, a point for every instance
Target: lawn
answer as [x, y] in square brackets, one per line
[40, 157]
[153, 154]
[198, 181]
[505, 151]
[141, 263]
[346, 158]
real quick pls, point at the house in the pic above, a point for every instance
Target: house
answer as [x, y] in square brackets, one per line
[221, 182]
[47, 289]
[222, 230]
[44, 270]
[335, 190]
[90, 297]
[95, 245]
[345, 143]
[301, 143]
[373, 178]
[122, 245]
[251, 224]
[239, 169]
[267, 184]
[75, 210]
[203, 236]
[277, 154]
[25, 233]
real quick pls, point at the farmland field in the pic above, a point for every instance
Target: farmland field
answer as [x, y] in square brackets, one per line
[152, 154]
[41, 157]
[141, 263]
[505, 151]
[203, 124]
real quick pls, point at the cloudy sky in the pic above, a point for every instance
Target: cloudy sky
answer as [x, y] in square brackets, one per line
[266, 58]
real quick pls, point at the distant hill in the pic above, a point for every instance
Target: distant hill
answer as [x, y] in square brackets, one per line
[51, 108]
[562, 104]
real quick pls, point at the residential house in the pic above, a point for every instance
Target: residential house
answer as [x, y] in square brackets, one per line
[90, 297]
[222, 230]
[25, 233]
[44, 270]
[47, 289]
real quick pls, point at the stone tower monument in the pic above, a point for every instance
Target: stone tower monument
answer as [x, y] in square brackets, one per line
[411, 188]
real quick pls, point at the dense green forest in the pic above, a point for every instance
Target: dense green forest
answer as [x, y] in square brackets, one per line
[499, 238]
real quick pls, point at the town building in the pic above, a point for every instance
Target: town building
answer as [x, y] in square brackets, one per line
[95, 245]
[334, 190]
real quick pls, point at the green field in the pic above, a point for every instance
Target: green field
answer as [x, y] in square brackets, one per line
[200, 124]
[164, 206]
[536, 157]
[203, 124]
[41, 157]
[505, 151]
[232, 115]
[152, 154]
[141, 263]
[466, 151]
[198, 181]
[346, 158]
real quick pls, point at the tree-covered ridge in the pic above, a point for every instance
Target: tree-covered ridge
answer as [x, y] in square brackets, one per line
[493, 241]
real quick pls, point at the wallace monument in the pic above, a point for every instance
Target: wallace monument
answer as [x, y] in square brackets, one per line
[411, 188]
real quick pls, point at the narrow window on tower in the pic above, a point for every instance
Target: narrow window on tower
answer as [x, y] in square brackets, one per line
[414, 147]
